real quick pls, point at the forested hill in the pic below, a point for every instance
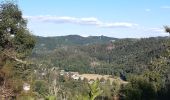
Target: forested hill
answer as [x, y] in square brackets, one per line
[51, 43]
[73, 53]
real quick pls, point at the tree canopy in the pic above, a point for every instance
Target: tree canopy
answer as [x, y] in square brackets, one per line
[14, 34]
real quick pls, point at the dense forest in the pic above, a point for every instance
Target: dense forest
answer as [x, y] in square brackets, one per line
[42, 68]
[112, 56]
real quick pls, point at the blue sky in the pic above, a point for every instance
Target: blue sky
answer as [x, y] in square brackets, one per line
[115, 18]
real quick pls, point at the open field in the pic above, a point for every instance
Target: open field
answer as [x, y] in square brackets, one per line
[106, 77]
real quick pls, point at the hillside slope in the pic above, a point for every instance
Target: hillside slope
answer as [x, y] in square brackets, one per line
[100, 55]
[50, 43]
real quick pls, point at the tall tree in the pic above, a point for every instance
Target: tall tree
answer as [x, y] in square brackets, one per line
[14, 34]
[16, 43]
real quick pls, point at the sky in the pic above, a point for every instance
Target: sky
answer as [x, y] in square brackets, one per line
[114, 18]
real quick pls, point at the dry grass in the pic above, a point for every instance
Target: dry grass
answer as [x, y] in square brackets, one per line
[106, 77]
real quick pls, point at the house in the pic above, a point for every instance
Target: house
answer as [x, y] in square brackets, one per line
[75, 77]
[82, 78]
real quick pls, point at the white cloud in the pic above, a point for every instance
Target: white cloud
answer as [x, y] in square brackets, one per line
[119, 24]
[147, 10]
[165, 7]
[158, 30]
[89, 21]
[80, 21]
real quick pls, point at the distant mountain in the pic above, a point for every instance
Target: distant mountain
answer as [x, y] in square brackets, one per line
[51, 43]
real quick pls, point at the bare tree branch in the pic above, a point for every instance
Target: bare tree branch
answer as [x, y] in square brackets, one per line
[14, 57]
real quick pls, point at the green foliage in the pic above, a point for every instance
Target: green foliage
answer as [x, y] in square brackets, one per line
[116, 88]
[24, 43]
[41, 87]
[26, 98]
[82, 97]
[94, 90]
[139, 89]
[154, 78]
[13, 31]
[51, 98]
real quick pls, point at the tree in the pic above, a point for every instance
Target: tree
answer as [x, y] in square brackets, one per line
[139, 89]
[16, 43]
[116, 89]
[167, 29]
[14, 35]
[41, 87]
